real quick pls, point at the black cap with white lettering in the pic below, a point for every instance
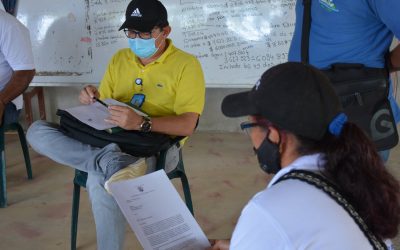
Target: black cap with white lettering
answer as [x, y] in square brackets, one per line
[144, 15]
[294, 96]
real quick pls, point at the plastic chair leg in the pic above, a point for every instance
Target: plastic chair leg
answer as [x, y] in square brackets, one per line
[75, 213]
[186, 192]
[3, 189]
[25, 150]
[3, 182]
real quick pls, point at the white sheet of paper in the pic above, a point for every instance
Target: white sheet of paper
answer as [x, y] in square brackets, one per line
[157, 214]
[95, 114]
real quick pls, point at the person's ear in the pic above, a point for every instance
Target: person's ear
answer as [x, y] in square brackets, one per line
[166, 31]
[274, 135]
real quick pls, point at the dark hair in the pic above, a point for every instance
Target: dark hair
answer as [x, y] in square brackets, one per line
[354, 165]
[162, 24]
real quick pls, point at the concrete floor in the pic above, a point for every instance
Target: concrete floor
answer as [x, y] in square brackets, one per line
[223, 176]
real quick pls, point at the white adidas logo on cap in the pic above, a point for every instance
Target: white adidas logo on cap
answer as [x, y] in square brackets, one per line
[136, 13]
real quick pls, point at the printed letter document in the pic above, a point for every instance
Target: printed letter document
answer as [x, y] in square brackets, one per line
[157, 214]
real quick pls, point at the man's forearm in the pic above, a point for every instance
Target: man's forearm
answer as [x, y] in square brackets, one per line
[18, 83]
[182, 125]
[395, 59]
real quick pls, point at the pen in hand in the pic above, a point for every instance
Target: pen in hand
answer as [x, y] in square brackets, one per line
[100, 101]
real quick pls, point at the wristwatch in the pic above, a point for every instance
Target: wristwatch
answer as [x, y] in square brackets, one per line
[145, 126]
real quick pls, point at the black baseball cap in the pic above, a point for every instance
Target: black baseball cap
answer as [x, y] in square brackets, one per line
[295, 96]
[144, 15]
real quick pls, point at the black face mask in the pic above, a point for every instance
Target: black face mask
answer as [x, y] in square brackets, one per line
[268, 156]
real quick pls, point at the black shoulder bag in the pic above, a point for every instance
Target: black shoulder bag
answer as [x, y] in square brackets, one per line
[363, 92]
[324, 185]
[135, 143]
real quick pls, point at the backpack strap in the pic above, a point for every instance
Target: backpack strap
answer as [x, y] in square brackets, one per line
[305, 31]
[326, 186]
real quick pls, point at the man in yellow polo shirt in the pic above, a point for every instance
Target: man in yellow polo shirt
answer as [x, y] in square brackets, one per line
[152, 74]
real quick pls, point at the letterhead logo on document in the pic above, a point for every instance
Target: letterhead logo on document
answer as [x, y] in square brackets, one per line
[136, 13]
[328, 5]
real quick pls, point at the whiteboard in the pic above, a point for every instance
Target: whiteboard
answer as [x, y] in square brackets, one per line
[234, 40]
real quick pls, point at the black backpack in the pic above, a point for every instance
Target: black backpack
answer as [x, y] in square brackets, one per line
[135, 143]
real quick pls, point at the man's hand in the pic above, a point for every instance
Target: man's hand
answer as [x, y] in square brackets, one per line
[2, 107]
[87, 94]
[219, 245]
[124, 117]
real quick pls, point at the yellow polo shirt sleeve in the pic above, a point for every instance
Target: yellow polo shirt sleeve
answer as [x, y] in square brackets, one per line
[190, 93]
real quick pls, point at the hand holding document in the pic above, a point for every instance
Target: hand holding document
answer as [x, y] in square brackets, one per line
[157, 214]
[95, 114]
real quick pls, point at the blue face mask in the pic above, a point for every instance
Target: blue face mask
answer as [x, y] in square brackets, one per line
[143, 48]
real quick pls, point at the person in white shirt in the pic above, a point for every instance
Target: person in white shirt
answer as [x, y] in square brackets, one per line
[296, 123]
[16, 66]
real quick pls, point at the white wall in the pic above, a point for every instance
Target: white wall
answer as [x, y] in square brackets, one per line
[211, 120]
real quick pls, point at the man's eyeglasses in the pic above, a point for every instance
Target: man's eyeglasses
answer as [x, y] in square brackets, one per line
[134, 34]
